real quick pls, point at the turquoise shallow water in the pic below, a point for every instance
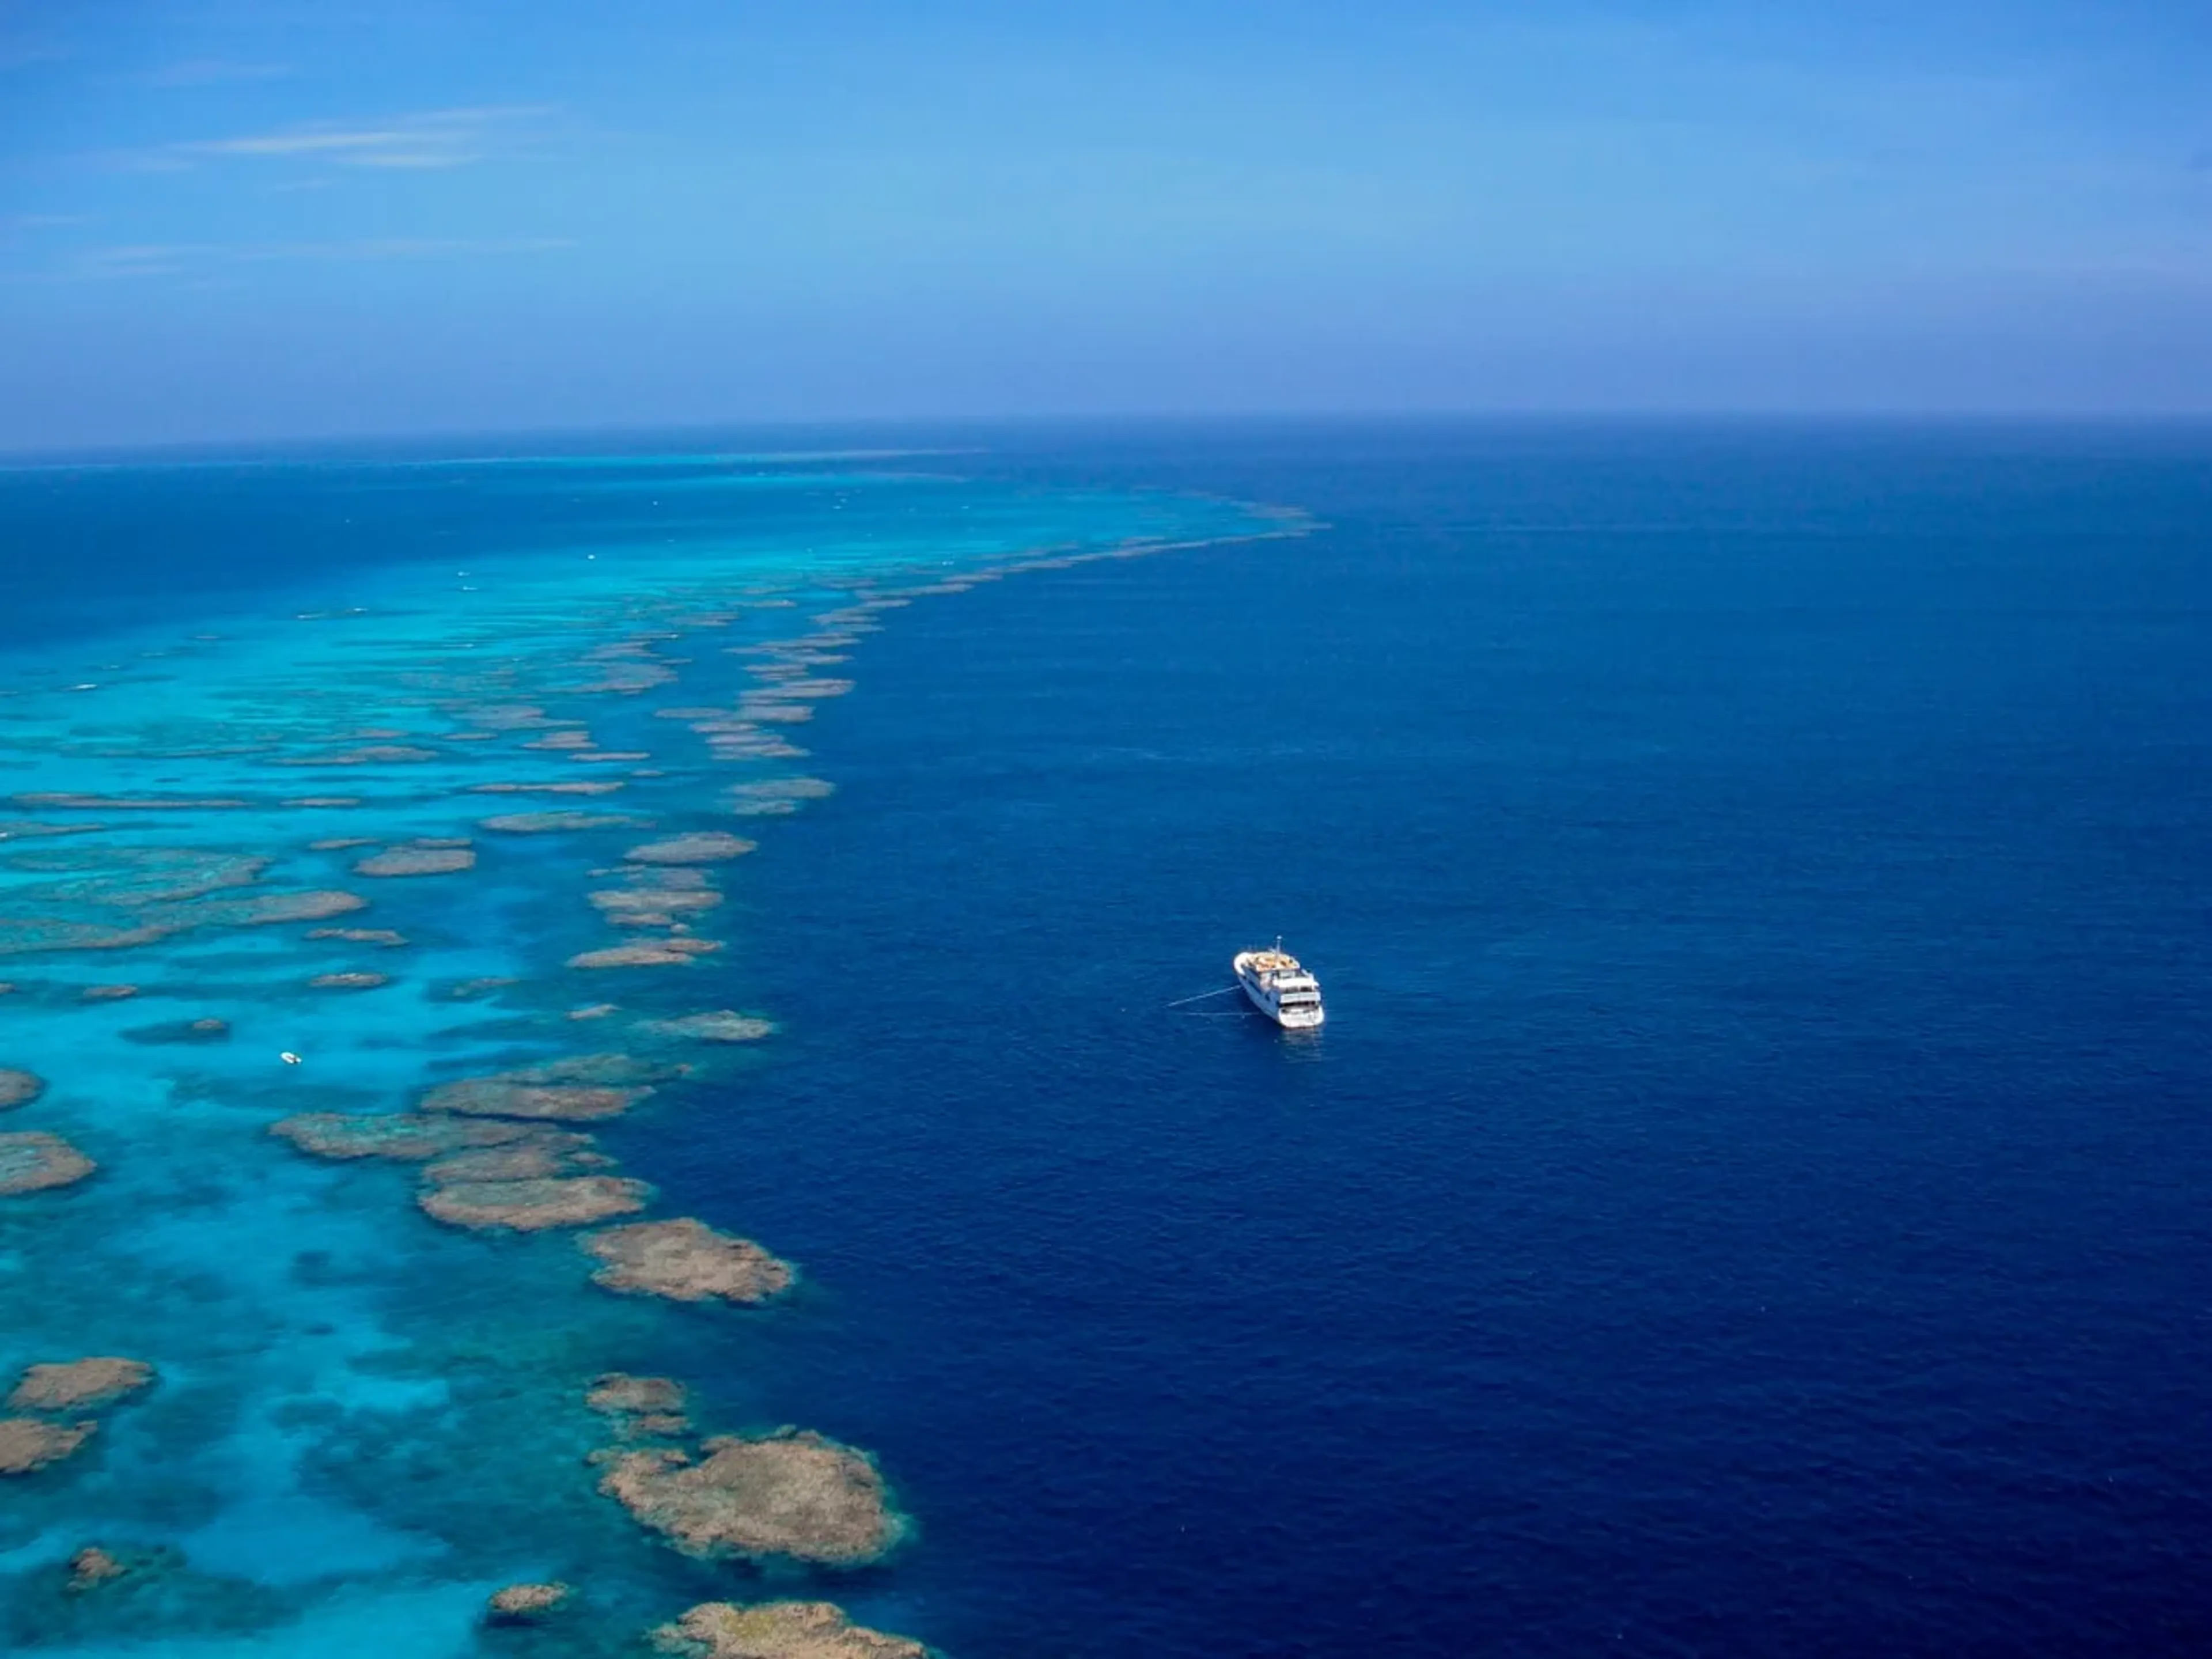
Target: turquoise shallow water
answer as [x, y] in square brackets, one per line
[365, 1421]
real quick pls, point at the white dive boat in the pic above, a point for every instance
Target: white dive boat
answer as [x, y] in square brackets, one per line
[1279, 987]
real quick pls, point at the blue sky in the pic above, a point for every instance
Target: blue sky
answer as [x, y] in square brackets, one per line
[268, 219]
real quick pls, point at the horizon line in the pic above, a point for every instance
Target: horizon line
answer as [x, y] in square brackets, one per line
[245, 446]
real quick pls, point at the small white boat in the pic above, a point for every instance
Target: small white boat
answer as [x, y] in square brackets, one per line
[1279, 987]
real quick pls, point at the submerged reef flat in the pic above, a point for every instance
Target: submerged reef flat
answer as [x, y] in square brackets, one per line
[523, 1604]
[648, 903]
[404, 1136]
[539, 1155]
[531, 1206]
[76, 1384]
[778, 1630]
[719, 1026]
[374, 754]
[686, 1261]
[383, 935]
[618, 1392]
[581, 1089]
[674, 953]
[775, 796]
[469, 989]
[180, 1031]
[701, 847]
[558, 823]
[28, 1444]
[416, 860]
[19, 1087]
[102, 922]
[564, 786]
[66, 801]
[794, 1494]
[25, 828]
[33, 1161]
[640, 1407]
[91, 1567]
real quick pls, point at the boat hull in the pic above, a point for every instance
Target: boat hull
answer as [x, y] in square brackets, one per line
[1301, 1018]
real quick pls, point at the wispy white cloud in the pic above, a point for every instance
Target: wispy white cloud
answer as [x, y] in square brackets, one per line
[141, 259]
[213, 72]
[428, 138]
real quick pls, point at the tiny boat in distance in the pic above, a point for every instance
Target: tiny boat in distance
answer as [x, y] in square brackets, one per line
[1279, 987]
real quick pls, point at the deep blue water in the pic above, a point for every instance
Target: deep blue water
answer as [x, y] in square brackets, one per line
[1750, 1196]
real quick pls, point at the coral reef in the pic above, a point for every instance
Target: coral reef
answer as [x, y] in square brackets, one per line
[417, 859]
[719, 1026]
[539, 1155]
[506, 716]
[793, 1493]
[686, 1261]
[316, 906]
[468, 990]
[91, 1567]
[653, 903]
[374, 754]
[778, 1630]
[631, 1403]
[19, 1088]
[580, 1088]
[776, 795]
[531, 1206]
[128, 803]
[522, 1603]
[157, 921]
[402, 1136]
[208, 1029]
[27, 1444]
[546, 823]
[106, 993]
[76, 1384]
[565, 786]
[355, 981]
[639, 955]
[34, 1160]
[359, 935]
[701, 846]
[23, 828]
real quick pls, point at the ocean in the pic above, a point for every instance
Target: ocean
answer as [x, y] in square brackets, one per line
[1748, 1196]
